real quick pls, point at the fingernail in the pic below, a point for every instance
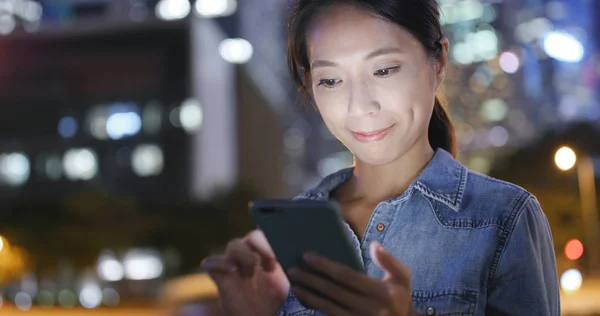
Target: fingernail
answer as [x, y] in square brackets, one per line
[377, 245]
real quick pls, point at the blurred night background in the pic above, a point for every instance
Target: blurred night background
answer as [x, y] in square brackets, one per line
[134, 132]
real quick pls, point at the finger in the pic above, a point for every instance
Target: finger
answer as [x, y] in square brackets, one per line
[258, 242]
[393, 268]
[345, 276]
[217, 263]
[323, 305]
[344, 297]
[240, 254]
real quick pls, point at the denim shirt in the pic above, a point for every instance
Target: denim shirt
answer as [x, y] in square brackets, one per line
[475, 245]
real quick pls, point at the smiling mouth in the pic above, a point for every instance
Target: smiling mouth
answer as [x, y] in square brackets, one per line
[372, 136]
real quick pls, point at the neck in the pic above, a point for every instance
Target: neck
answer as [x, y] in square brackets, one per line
[377, 183]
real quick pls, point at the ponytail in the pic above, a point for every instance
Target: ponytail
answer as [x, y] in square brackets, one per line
[441, 130]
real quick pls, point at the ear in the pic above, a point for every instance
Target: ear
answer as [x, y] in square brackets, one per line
[442, 61]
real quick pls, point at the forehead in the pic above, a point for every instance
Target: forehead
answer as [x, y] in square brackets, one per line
[346, 29]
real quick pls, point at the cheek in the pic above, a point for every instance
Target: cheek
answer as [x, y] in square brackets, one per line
[407, 93]
[332, 105]
[333, 115]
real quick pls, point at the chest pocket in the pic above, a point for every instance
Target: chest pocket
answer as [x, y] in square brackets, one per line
[446, 303]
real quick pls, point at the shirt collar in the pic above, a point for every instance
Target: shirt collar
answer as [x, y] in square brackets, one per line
[443, 179]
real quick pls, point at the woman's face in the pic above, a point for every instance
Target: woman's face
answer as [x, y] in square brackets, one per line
[372, 82]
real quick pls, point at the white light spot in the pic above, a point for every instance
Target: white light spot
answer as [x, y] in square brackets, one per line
[169, 10]
[215, 8]
[463, 54]
[563, 47]
[14, 169]
[571, 280]
[236, 50]
[7, 24]
[120, 125]
[565, 158]
[191, 115]
[90, 295]
[142, 265]
[109, 268]
[80, 164]
[32, 11]
[147, 160]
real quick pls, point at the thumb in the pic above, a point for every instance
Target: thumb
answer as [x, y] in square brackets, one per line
[392, 267]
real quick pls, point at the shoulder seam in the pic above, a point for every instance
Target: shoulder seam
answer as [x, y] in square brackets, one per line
[498, 181]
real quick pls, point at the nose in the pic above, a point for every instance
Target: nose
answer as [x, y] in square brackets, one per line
[362, 101]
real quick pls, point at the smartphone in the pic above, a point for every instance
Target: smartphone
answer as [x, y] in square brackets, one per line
[295, 227]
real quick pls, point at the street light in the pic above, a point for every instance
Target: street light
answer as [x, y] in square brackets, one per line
[565, 158]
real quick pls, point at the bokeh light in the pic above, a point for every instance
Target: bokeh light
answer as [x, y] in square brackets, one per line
[67, 127]
[90, 295]
[236, 50]
[191, 115]
[573, 249]
[23, 301]
[509, 62]
[170, 10]
[14, 169]
[571, 280]
[565, 158]
[147, 160]
[563, 47]
[80, 164]
[215, 8]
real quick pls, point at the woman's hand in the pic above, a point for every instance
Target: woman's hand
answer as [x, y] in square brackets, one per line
[249, 278]
[352, 292]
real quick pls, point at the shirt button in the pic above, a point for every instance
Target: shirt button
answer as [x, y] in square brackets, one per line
[431, 311]
[380, 227]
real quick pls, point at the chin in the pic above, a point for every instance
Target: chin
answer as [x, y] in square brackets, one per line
[376, 160]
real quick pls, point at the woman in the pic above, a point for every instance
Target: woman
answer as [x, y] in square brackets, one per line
[456, 242]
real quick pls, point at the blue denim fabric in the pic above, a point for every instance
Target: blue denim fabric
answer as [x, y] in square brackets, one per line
[475, 245]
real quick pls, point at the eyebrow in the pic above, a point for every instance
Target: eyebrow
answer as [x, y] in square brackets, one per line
[379, 52]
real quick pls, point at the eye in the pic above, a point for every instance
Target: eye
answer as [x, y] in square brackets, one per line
[328, 83]
[386, 72]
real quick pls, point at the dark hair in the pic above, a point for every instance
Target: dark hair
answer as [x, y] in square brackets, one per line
[419, 17]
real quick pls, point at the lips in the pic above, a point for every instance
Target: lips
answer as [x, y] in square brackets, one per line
[366, 137]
